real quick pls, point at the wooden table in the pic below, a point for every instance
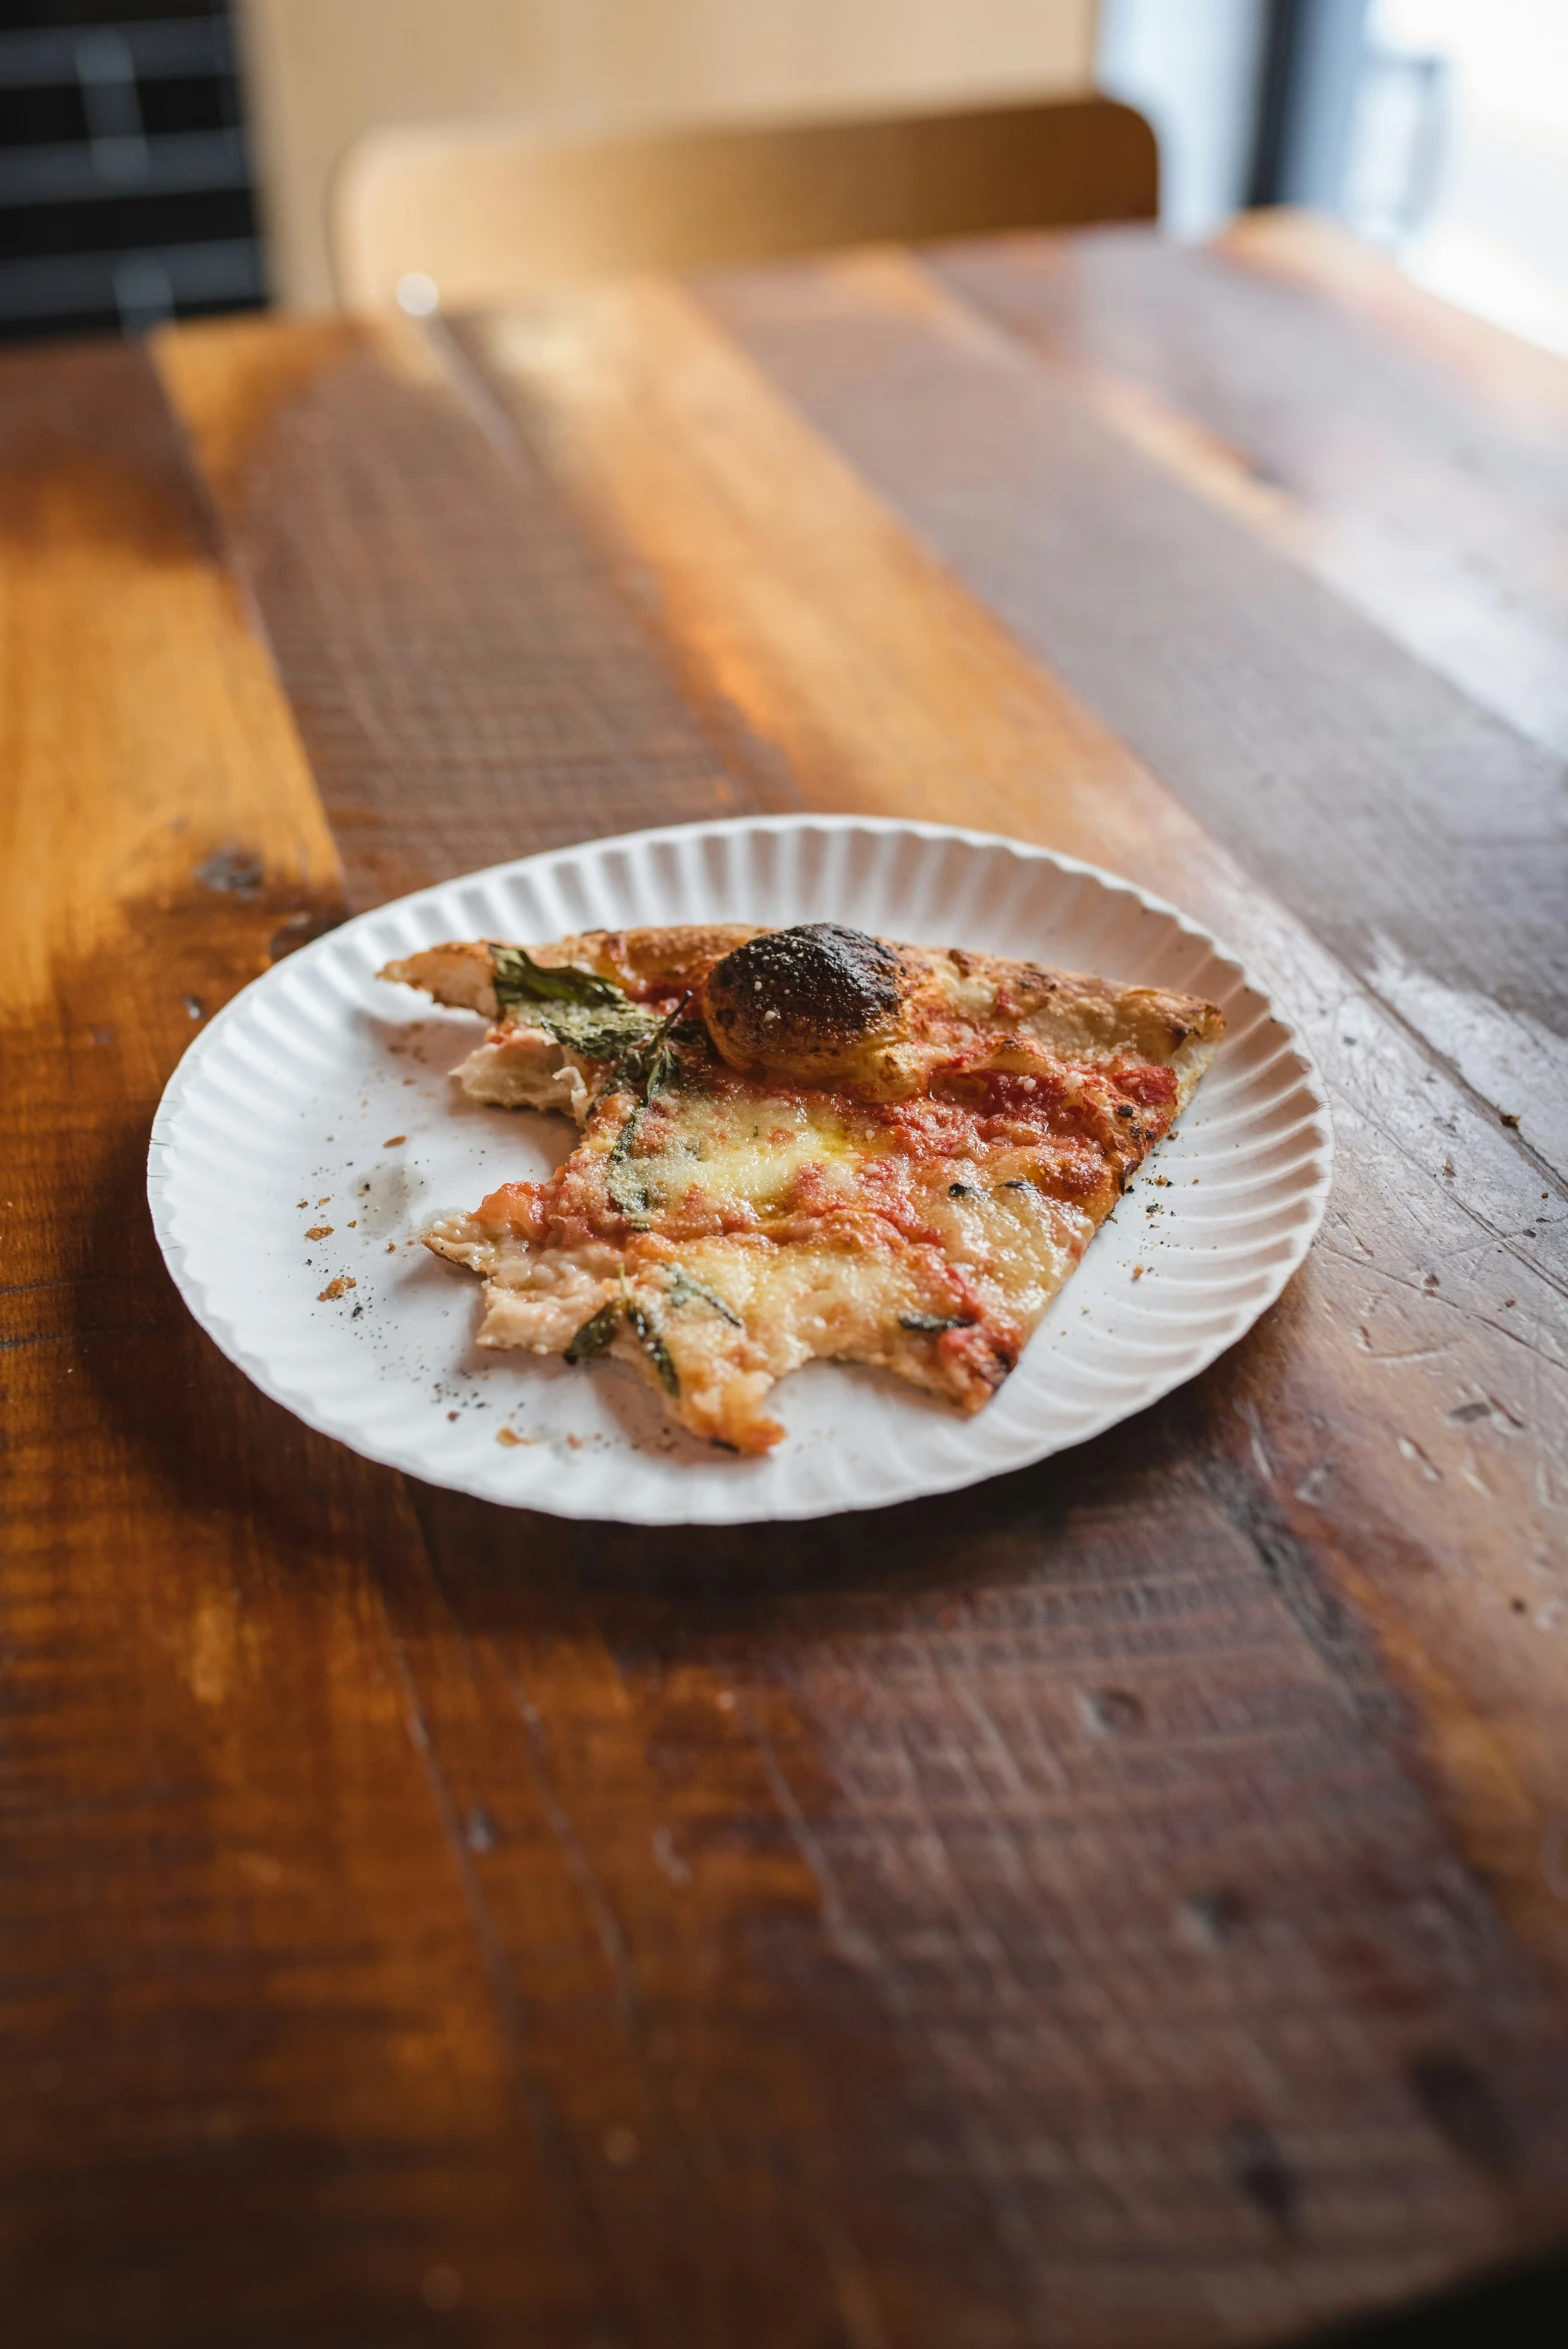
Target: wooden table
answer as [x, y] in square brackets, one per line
[1126, 1905]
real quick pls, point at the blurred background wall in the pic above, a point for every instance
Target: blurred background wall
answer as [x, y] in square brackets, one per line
[171, 157]
[321, 71]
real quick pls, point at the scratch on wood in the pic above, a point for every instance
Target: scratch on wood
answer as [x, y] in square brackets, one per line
[843, 1936]
[550, 2143]
[1322, 1615]
[606, 1924]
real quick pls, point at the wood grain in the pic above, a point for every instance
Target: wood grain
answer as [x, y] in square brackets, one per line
[1026, 1880]
[1024, 1919]
[1524, 386]
[911, 694]
[1421, 840]
[1426, 500]
[1021, 1919]
[271, 2073]
[467, 684]
[246, 2097]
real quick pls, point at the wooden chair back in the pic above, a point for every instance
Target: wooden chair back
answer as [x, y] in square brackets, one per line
[472, 215]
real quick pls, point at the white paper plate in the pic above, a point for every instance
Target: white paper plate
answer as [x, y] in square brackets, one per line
[321, 1097]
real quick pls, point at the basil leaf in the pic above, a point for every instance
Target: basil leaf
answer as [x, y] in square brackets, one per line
[596, 1333]
[517, 978]
[625, 1192]
[650, 1068]
[655, 1069]
[936, 1321]
[591, 1015]
[654, 1346]
[683, 1290]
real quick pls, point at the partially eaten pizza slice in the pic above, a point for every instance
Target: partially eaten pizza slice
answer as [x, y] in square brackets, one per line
[801, 1144]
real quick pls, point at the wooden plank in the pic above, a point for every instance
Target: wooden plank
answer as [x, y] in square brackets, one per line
[722, 2221]
[1052, 1914]
[277, 2074]
[1425, 499]
[828, 632]
[479, 701]
[1420, 839]
[1105, 1981]
[1522, 385]
[257, 2087]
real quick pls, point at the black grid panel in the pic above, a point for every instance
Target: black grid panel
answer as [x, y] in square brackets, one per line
[125, 182]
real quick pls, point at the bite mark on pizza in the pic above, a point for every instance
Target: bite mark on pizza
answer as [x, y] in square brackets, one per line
[801, 1144]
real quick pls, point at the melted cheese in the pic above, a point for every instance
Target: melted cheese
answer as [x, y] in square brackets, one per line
[740, 1154]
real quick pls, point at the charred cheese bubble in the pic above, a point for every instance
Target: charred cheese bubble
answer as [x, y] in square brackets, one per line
[812, 1003]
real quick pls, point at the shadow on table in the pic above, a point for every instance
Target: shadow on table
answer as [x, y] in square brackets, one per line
[1524, 2310]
